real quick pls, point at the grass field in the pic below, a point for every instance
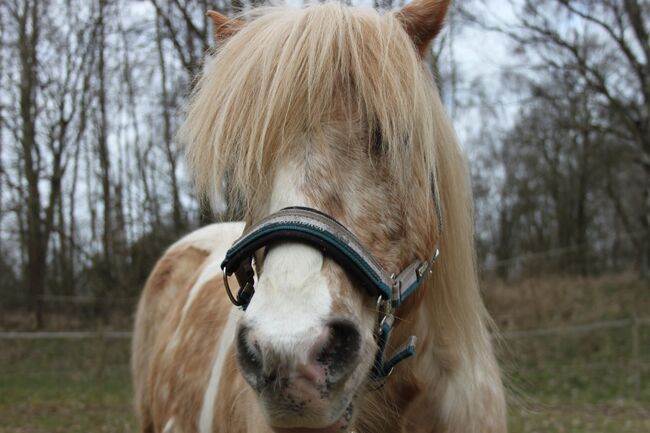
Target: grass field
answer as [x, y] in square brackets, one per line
[56, 386]
[574, 383]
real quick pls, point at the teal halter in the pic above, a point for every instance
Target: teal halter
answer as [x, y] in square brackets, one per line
[337, 242]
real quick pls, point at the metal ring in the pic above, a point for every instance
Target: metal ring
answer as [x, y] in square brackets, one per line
[380, 330]
[234, 300]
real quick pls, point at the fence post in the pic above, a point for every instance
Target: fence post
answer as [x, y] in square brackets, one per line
[101, 350]
[636, 360]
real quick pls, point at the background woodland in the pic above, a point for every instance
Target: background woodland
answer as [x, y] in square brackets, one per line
[92, 182]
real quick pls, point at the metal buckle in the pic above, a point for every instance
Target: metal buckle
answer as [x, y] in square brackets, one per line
[244, 294]
[422, 270]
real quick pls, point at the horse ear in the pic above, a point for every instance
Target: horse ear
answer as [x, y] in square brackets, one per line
[423, 20]
[223, 26]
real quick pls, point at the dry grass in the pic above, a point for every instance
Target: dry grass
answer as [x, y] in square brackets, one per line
[561, 301]
[574, 382]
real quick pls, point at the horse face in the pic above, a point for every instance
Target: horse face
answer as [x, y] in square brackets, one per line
[306, 342]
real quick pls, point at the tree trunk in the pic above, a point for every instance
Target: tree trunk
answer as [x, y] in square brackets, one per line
[177, 211]
[644, 260]
[36, 248]
[106, 268]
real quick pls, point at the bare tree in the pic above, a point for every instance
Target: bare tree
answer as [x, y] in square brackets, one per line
[170, 152]
[597, 55]
[612, 57]
[42, 125]
[186, 26]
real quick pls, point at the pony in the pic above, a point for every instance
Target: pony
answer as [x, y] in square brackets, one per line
[330, 107]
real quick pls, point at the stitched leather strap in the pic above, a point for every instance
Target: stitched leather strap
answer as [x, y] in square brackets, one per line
[323, 232]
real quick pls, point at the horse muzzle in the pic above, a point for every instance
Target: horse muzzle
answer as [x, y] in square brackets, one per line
[304, 384]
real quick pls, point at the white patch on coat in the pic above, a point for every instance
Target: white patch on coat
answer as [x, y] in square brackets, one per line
[212, 237]
[169, 426]
[226, 234]
[224, 343]
[292, 296]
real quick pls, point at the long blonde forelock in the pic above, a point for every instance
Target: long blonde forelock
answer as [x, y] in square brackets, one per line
[284, 76]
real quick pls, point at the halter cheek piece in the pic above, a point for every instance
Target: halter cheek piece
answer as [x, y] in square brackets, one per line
[335, 241]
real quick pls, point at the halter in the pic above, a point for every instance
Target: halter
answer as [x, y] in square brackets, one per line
[321, 231]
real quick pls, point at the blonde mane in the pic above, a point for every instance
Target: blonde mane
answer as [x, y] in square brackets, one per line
[284, 74]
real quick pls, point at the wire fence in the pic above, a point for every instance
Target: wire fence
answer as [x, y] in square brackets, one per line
[64, 335]
[576, 329]
[507, 335]
[629, 362]
[72, 299]
[631, 358]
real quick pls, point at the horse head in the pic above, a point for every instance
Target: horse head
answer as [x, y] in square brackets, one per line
[333, 108]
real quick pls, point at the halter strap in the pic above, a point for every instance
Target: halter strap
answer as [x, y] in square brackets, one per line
[321, 231]
[325, 233]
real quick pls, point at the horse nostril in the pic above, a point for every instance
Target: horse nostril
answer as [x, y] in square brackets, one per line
[339, 355]
[249, 356]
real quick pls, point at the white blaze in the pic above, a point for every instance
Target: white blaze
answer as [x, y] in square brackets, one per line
[292, 296]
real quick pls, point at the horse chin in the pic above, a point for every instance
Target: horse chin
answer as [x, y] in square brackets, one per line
[342, 424]
[334, 413]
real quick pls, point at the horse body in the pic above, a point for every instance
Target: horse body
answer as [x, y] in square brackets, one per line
[330, 108]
